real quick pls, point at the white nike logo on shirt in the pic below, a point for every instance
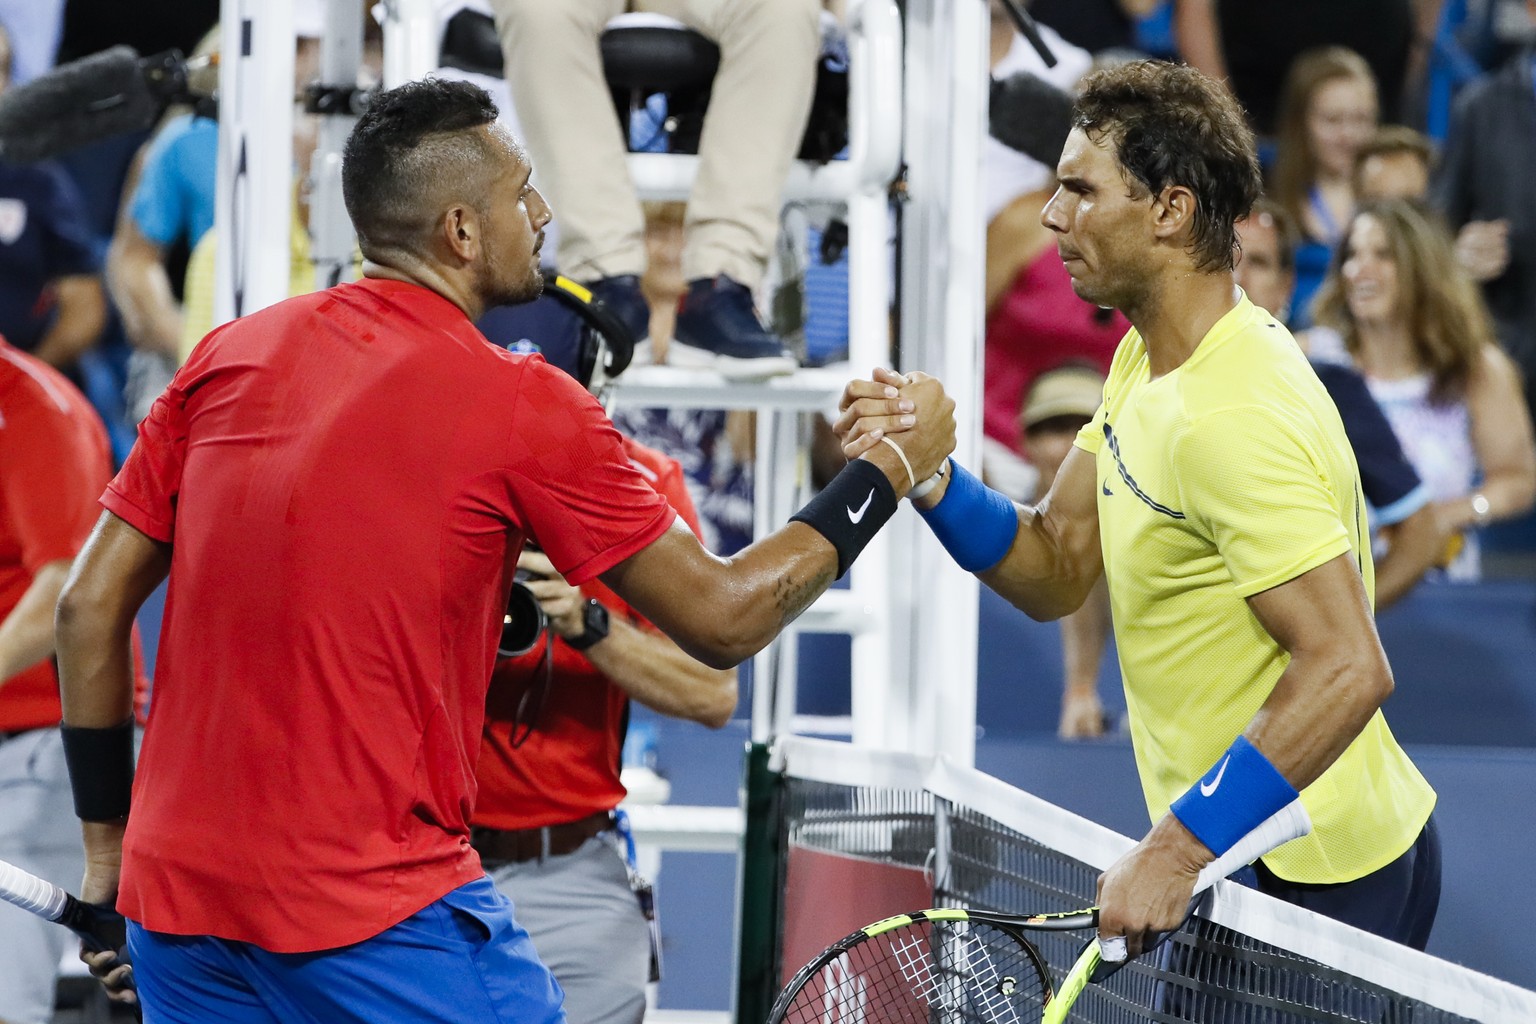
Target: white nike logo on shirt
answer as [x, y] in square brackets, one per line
[854, 517]
[1207, 788]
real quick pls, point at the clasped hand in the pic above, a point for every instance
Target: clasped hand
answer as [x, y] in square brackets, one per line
[562, 603]
[1147, 891]
[911, 410]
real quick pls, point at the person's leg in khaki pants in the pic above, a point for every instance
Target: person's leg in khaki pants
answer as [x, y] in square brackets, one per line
[752, 130]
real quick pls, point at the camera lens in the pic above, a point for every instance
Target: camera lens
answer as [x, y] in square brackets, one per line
[523, 623]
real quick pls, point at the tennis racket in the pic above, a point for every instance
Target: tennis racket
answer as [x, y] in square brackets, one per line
[941, 966]
[952, 966]
[101, 929]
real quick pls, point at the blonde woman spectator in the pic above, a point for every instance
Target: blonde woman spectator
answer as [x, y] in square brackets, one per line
[1399, 306]
[1327, 114]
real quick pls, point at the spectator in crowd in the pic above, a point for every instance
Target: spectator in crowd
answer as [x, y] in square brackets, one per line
[54, 463]
[168, 212]
[1253, 45]
[1060, 403]
[1399, 306]
[556, 718]
[383, 466]
[1327, 114]
[757, 114]
[1403, 519]
[51, 300]
[1395, 163]
[1483, 186]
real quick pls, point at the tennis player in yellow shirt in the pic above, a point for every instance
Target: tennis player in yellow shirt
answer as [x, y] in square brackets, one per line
[1217, 491]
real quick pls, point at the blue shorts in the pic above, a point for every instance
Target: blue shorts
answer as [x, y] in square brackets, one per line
[461, 959]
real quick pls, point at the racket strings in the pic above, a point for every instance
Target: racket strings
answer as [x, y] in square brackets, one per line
[926, 973]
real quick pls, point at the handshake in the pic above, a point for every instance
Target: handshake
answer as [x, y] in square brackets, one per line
[904, 425]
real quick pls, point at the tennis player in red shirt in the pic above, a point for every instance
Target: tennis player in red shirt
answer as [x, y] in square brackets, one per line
[338, 487]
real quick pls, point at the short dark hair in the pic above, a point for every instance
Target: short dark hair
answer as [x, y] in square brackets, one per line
[1172, 125]
[414, 140]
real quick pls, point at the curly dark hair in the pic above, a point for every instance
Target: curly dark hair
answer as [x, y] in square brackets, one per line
[1172, 125]
[413, 141]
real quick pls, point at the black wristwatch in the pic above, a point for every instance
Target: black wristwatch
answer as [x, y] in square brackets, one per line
[594, 626]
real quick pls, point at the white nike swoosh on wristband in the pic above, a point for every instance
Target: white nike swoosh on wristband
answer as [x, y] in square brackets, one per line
[855, 517]
[1207, 788]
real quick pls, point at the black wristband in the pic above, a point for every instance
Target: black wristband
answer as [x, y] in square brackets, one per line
[100, 769]
[850, 510]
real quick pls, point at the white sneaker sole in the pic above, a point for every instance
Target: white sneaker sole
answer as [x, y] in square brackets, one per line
[731, 368]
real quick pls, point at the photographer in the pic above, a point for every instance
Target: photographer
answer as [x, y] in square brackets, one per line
[555, 722]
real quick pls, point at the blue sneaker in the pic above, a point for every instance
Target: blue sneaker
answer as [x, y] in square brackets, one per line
[622, 297]
[717, 327]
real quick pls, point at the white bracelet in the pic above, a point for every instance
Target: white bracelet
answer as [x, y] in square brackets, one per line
[922, 489]
[911, 480]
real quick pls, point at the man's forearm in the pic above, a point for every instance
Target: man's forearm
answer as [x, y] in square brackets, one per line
[653, 670]
[26, 635]
[142, 289]
[1038, 576]
[1318, 707]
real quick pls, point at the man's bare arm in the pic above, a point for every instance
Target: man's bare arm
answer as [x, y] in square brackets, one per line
[141, 287]
[1336, 680]
[1055, 558]
[113, 575]
[655, 671]
[26, 634]
[721, 611]
[647, 665]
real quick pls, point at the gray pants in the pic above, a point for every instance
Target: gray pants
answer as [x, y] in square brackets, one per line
[587, 927]
[39, 833]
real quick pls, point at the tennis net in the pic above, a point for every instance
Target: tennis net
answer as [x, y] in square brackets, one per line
[868, 834]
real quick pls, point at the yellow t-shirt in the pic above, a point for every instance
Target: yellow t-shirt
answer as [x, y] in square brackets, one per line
[198, 282]
[1226, 477]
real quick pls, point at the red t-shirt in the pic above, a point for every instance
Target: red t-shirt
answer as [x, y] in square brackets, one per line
[54, 461]
[346, 478]
[1040, 325]
[568, 766]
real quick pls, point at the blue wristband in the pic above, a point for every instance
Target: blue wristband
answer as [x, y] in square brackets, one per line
[1238, 794]
[975, 524]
